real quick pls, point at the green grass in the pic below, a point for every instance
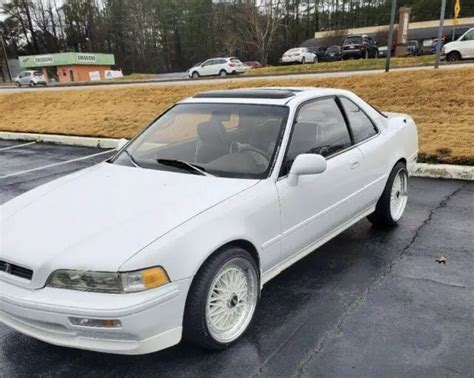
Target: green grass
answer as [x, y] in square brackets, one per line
[347, 65]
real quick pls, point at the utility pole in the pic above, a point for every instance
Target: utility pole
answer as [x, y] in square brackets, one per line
[440, 33]
[5, 56]
[390, 35]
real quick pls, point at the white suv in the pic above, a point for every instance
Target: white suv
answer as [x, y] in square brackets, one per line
[217, 67]
[463, 48]
[30, 78]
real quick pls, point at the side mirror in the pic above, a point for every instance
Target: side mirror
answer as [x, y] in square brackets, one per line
[121, 143]
[306, 164]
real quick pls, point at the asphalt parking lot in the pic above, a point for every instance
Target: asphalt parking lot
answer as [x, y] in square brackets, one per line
[369, 303]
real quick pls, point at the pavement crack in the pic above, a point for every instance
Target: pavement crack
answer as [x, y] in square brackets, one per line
[433, 281]
[432, 212]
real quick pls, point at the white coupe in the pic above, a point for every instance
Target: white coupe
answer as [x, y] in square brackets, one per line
[174, 237]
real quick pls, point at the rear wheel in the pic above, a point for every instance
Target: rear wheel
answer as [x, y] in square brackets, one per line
[222, 299]
[453, 56]
[391, 205]
[315, 59]
[32, 84]
[303, 60]
[366, 55]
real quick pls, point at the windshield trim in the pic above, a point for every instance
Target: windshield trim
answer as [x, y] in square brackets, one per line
[273, 159]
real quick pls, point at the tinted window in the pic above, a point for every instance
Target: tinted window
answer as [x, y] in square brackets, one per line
[362, 127]
[353, 40]
[469, 36]
[320, 129]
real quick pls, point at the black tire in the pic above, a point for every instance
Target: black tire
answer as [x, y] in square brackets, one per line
[366, 54]
[195, 327]
[382, 216]
[453, 56]
[303, 60]
[195, 75]
[223, 73]
[17, 83]
[32, 84]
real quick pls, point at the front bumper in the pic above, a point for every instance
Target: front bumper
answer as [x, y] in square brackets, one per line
[150, 321]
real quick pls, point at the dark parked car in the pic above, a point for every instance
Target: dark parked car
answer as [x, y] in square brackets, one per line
[413, 48]
[332, 54]
[359, 46]
[318, 50]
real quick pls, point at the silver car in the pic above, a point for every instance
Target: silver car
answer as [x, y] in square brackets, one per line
[30, 78]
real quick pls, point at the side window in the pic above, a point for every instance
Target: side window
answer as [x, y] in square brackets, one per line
[469, 36]
[209, 63]
[319, 129]
[361, 126]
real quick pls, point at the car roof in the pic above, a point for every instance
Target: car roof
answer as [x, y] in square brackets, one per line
[263, 95]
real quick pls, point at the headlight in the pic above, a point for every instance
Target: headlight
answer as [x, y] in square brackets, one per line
[109, 282]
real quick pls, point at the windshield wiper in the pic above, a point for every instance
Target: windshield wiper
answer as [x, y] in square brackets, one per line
[193, 168]
[132, 159]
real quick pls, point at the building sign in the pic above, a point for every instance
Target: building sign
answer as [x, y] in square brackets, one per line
[94, 75]
[86, 58]
[111, 74]
[66, 59]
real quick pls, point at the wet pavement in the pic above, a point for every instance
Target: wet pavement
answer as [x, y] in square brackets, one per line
[369, 303]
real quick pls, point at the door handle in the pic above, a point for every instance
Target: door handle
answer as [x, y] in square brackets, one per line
[354, 164]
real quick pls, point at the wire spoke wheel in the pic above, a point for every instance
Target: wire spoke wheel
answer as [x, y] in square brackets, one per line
[231, 300]
[398, 195]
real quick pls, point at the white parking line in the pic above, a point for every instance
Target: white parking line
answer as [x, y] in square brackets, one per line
[56, 164]
[17, 145]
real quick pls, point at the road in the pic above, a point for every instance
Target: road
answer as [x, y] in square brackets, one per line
[176, 79]
[369, 303]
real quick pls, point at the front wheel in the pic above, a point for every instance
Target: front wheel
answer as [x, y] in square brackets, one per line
[195, 75]
[223, 73]
[391, 205]
[453, 56]
[303, 60]
[222, 299]
[17, 83]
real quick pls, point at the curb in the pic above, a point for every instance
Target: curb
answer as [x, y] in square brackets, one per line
[61, 139]
[443, 171]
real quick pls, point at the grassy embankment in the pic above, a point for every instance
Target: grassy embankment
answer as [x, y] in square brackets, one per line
[442, 103]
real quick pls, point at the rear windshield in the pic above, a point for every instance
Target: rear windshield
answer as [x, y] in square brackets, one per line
[37, 73]
[293, 51]
[352, 40]
[333, 49]
[235, 60]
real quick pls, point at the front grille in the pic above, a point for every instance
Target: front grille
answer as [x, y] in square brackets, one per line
[16, 270]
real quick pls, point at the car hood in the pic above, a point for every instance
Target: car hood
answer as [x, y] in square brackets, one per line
[97, 218]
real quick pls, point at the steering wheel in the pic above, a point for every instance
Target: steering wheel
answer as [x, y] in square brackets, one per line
[247, 147]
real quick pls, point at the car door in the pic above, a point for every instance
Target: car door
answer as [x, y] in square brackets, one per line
[373, 170]
[206, 67]
[467, 49]
[25, 79]
[318, 204]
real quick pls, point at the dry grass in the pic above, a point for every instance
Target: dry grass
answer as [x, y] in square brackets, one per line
[442, 103]
[346, 65]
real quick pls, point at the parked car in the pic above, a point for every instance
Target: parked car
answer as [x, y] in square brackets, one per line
[383, 51]
[318, 50]
[413, 48]
[299, 55]
[463, 48]
[30, 78]
[217, 67]
[175, 236]
[253, 64]
[359, 46]
[331, 54]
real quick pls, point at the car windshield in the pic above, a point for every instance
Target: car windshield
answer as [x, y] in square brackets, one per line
[224, 140]
[353, 40]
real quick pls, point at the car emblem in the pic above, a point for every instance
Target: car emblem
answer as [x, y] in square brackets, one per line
[7, 268]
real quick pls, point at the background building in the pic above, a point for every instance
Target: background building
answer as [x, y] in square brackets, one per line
[71, 66]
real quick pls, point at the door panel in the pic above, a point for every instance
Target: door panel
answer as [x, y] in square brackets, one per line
[319, 203]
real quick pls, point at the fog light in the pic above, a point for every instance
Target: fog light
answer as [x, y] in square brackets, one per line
[98, 323]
